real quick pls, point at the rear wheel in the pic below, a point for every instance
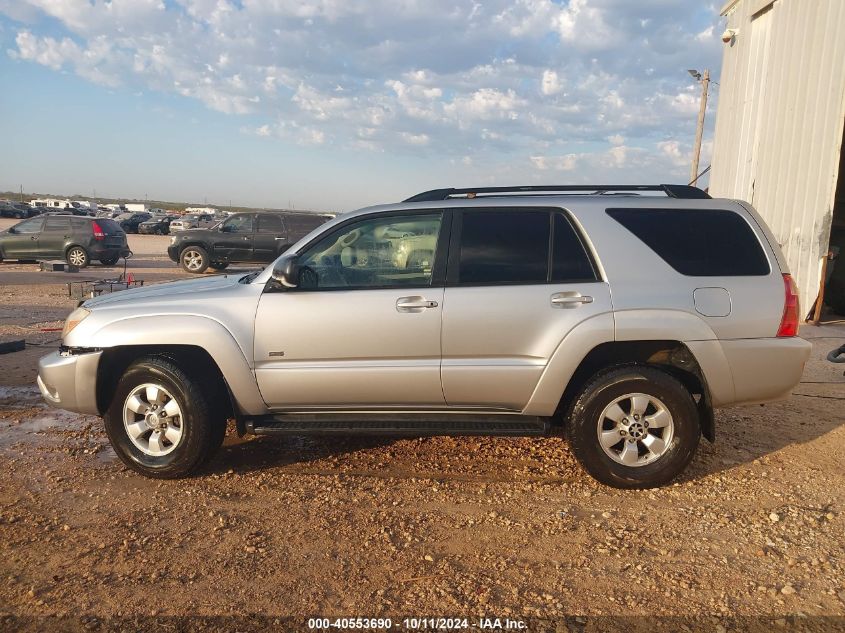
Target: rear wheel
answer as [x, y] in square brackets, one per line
[77, 256]
[634, 427]
[194, 259]
[162, 422]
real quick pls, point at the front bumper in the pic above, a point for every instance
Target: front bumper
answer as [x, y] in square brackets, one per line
[173, 252]
[69, 381]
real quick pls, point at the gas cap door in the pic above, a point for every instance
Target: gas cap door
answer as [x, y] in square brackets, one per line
[712, 302]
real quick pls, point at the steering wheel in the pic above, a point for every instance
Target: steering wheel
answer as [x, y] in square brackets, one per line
[308, 278]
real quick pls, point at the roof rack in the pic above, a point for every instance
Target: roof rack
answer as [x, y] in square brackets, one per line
[672, 191]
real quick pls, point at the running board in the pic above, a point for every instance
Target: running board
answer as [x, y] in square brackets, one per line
[397, 424]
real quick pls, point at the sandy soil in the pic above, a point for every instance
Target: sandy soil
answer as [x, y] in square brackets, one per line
[291, 529]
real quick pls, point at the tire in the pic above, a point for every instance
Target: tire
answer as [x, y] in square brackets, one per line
[109, 261]
[194, 259]
[593, 408]
[197, 429]
[219, 265]
[77, 256]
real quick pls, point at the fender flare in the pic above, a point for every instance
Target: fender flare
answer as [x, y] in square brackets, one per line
[191, 330]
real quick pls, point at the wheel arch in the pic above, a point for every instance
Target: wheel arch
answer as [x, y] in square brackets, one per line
[670, 356]
[124, 341]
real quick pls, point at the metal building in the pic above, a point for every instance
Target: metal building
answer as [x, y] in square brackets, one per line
[779, 124]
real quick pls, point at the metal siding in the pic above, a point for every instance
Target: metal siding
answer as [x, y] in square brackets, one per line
[779, 124]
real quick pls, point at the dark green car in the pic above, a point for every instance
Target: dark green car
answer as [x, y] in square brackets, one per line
[77, 240]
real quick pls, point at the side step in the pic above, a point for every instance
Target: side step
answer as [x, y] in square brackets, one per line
[397, 424]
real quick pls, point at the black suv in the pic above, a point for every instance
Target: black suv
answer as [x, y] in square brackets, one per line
[74, 239]
[243, 237]
[130, 222]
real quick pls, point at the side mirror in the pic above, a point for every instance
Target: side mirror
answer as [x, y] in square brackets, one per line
[286, 271]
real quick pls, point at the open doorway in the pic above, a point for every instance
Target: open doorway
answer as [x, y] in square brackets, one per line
[834, 289]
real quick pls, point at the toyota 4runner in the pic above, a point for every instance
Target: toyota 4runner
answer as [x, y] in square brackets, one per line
[619, 316]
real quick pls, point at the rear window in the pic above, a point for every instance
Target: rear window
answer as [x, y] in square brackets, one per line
[698, 242]
[109, 226]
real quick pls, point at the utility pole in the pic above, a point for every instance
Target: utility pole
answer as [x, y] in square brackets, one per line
[704, 79]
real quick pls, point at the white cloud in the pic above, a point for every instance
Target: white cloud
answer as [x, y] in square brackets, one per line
[550, 84]
[460, 76]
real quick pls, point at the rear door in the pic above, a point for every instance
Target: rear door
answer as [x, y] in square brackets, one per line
[269, 237]
[518, 281]
[23, 243]
[55, 235]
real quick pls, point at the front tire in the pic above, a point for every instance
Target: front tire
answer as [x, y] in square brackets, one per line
[194, 259]
[161, 422]
[634, 427]
[77, 256]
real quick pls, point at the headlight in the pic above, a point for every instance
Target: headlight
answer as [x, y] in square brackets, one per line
[74, 319]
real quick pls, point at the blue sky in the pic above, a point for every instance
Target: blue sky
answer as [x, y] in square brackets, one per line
[335, 104]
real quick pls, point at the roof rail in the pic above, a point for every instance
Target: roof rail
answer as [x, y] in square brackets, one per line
[672, 191]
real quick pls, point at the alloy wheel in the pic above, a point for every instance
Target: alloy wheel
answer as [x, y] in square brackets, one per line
[635, 429]
[153, 419]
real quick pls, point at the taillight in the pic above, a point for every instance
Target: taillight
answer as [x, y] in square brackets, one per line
[98, 232]
[789, 321]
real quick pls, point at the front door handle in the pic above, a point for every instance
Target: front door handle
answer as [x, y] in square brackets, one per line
[570, 299]
[414, 304]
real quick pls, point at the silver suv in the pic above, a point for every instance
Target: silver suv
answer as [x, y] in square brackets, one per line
[618, 316]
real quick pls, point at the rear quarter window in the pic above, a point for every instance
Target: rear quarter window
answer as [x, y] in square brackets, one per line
[698, 242]
[109, 226]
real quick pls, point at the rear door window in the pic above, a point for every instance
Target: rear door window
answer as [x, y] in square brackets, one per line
[504, 247]
[698, 242]
[109, 226]
[269, 223]
[56, 223]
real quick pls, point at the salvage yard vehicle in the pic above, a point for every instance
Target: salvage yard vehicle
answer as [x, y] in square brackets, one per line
[75, 239]
[242, 237]
[192, 221]
[156, 225]
[130, 222]
[618, 317]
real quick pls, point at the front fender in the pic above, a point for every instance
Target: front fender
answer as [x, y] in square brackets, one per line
[199, 331]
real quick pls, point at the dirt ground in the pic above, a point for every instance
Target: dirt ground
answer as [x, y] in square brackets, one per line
[453, 527]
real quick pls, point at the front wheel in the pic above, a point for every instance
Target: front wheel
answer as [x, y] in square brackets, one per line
[161, 422]
[194, 259]
[77, 256]
[634, 427]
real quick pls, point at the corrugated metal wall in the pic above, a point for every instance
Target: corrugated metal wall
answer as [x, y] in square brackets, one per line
[779, 123]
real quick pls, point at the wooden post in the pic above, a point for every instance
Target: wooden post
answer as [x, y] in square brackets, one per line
[817, 314]
[699, 132]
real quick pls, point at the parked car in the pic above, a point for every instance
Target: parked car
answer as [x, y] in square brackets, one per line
[19, 210]
[242, 237]
[620, 321]
[130, 222]
[74, 239]
[157, 225]
[192, 221]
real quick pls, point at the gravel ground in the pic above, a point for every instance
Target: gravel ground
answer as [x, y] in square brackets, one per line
[422, 527]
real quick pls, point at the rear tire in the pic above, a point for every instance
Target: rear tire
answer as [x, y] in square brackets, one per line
[77, 256]
[162, 422]
[194, 259]
[657, 429]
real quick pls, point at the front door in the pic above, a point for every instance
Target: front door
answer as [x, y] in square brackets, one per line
[519, 281]
[234, 240]
[363, 327]
[23, 243]
[55, 236]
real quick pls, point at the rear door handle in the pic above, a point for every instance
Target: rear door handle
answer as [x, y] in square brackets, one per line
[414, 304]
[570, 299]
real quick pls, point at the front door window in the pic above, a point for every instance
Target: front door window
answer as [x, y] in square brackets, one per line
[383, 252]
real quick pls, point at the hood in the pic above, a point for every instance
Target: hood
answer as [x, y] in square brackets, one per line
[165, 290]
